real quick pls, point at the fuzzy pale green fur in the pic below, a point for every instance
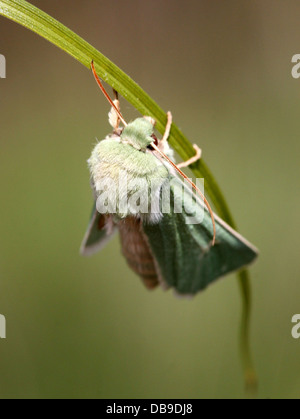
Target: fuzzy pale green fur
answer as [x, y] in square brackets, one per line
[127, 174]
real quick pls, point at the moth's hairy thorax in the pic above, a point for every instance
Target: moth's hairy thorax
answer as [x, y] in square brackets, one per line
[137, 176]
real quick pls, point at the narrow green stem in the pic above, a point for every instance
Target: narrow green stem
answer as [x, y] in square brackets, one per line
[44, 25]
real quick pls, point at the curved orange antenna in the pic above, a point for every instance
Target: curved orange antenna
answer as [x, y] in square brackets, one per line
[106, 94]
[193, 186]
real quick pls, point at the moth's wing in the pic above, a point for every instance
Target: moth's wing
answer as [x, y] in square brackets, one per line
[97, 234]
[186, 259]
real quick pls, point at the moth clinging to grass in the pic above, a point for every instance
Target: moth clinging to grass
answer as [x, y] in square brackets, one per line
[169, 234]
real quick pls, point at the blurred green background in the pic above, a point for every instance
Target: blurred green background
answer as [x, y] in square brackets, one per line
[86, 327]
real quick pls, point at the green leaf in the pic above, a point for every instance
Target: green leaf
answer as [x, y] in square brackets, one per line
[44, 25]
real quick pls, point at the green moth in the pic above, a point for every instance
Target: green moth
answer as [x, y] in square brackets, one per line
[169, 234]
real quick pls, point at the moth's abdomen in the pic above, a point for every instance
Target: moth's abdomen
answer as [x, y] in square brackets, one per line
[137, 251]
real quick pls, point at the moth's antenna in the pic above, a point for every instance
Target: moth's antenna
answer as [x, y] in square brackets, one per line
[193, 186]
[106, 94]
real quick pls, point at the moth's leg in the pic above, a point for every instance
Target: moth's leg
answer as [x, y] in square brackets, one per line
[113, 117]
[163, 145]
[165, 138]
[191, 160]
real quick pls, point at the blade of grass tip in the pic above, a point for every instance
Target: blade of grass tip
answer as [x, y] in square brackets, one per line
[251, 379]
[49, 28]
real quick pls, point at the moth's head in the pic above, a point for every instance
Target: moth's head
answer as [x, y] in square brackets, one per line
[139, 133]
